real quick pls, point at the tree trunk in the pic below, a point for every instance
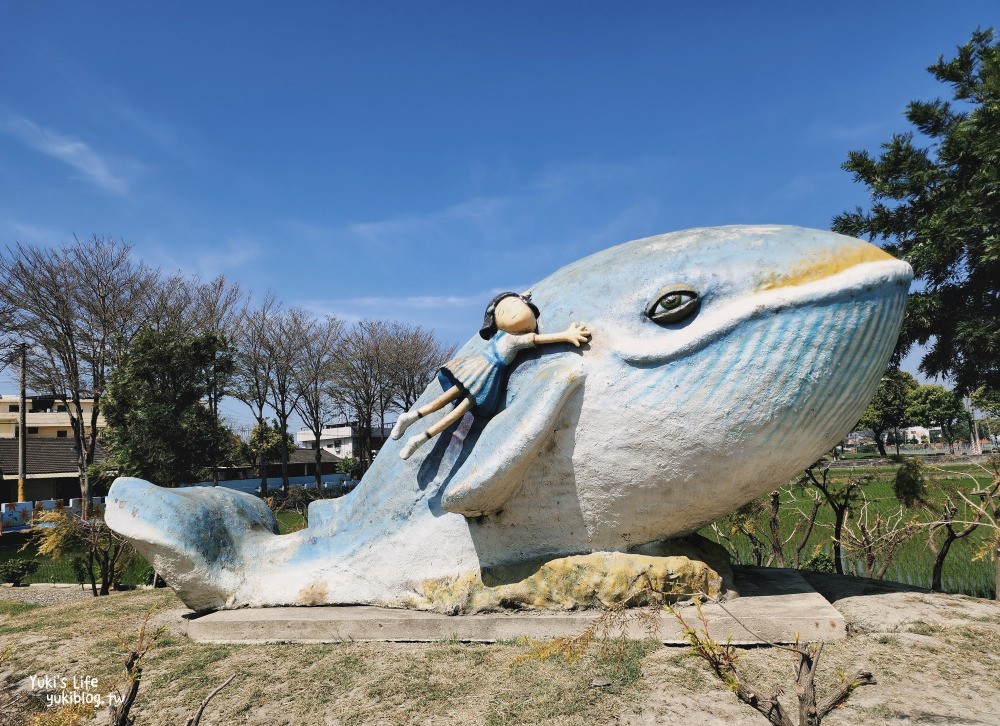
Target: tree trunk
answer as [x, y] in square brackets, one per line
[213, 403]
[777, 553]
[262, 460]
[939, 559]
[76, 423]
[284, 457]
[102, 566]
[880, 444]
[797, 559]
[838, 530]
[319, 463]
[996, 565]
[90, 571]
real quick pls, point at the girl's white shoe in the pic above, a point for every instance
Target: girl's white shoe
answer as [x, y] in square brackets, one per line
[412, 445]
[403, 423]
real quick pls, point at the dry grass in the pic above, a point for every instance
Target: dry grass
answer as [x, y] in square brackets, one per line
[343, 683]
[930, 667]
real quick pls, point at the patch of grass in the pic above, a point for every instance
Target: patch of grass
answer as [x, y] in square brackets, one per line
[921, 628]
[16, 607]
[59, 569]
[883, 713]
[289, 522]
[621, 661]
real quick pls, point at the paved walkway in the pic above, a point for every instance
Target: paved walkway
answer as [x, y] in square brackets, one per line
[44, 594]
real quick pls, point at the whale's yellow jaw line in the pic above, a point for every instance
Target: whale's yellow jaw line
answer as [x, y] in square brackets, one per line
[829, 263]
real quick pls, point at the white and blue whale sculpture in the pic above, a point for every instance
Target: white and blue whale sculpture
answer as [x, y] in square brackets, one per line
[655, 429]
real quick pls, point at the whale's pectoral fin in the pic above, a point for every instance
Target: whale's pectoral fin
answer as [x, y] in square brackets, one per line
[512, 438]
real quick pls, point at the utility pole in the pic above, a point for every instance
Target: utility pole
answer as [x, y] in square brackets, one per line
[22, 433]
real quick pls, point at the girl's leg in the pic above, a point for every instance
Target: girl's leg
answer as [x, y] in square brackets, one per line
[415, 442]
[405, 419]
[438, 403]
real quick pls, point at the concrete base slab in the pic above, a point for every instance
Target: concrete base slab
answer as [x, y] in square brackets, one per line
[774, 606]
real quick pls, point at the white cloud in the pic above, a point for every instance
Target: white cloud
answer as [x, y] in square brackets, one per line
[208, 261]
[479, 212]
[14, 230]
[453, 317]
[561, 178]
[563, 203]
[69, 150]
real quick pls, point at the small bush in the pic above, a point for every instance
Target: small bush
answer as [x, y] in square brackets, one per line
[80, 570]
[819, 561]
[910, 484]
[15, 571]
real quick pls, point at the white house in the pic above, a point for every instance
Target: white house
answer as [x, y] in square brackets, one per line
[341, 439]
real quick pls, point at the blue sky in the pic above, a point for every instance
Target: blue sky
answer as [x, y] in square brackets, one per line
[404, 160]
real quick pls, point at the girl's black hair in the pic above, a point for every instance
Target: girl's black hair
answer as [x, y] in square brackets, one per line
[489, 328]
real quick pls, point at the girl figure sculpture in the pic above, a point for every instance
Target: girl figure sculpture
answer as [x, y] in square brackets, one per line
[510, 326]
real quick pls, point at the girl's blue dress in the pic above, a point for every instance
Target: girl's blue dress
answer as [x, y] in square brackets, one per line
[480, 377]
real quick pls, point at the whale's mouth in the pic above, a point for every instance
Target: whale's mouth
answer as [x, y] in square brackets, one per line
[854, 281]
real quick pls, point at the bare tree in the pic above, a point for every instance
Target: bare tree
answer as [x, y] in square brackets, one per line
[284, 345]
[840, 495]
[360, 386]
[252, 381]
[415, 355]
[77, 307]
[318, 340]
[876, 538]
[981, 506]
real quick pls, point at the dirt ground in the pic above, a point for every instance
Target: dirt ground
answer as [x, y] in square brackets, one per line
[936, 659]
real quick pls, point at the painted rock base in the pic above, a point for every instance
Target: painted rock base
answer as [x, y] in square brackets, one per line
[777, 606]
[677, 568]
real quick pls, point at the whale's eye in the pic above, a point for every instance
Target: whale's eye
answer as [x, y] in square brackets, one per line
[673, 303]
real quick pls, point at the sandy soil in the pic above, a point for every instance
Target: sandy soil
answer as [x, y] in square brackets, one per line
[936, 659]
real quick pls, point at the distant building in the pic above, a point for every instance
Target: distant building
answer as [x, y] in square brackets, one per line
[302, 462]
[47, 417]
[919, 434]
[344, 439]
[51, 469]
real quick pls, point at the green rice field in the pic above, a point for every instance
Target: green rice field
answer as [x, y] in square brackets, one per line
[963, 572]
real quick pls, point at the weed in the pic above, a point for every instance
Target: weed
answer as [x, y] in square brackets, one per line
[921, 628]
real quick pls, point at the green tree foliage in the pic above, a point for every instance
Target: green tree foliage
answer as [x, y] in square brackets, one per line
[937, 406]
[936, 203]
[159, 426]
[267, 440]
[349, 466]
[17, 570]
[887, 409]
[987, 402]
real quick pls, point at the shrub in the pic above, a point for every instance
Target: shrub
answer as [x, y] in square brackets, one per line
[80, 570]
[910, 484]
[819, 561]
[15, 571]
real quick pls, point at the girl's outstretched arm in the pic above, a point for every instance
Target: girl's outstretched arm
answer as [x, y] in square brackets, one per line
[575, 334]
